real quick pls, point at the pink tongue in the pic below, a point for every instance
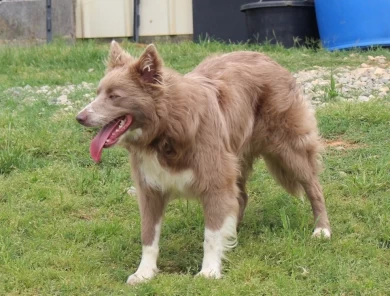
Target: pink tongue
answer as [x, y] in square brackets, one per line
[97, 143]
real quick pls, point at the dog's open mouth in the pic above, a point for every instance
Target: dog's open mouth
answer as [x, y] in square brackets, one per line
[109, 135]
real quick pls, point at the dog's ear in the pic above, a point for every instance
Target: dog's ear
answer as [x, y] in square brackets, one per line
[117, 57]
[149, 66]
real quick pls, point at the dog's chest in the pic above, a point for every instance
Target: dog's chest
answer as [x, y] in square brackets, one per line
[163, 179]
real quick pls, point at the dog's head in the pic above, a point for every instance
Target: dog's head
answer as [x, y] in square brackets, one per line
[126, 105]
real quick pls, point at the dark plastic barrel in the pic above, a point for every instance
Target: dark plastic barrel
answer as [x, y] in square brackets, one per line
[289, 23]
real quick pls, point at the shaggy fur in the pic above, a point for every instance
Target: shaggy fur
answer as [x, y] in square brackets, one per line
[198, 135]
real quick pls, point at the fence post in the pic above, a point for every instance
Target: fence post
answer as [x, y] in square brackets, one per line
[49, 33]
[136, 21]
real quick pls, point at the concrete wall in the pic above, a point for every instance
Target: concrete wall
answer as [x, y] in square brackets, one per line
[24, 21]
[63, 13]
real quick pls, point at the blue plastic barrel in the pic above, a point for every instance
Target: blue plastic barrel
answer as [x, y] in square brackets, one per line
[353, 23]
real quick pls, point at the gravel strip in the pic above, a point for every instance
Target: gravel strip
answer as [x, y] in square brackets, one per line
[370, 80]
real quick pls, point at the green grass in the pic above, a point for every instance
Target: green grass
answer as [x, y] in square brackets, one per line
[68, 227]
[59, 63]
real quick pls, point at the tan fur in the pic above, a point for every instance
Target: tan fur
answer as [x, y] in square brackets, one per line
[215, 122]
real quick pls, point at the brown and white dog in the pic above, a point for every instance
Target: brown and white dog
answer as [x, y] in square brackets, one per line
[197, 135]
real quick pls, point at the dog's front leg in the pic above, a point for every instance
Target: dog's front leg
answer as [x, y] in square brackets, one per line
[151, 205]
[221, 211]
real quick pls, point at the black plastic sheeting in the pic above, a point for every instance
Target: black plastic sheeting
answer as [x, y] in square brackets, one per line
[219, 19]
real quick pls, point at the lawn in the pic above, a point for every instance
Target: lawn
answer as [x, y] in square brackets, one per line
[68, 226]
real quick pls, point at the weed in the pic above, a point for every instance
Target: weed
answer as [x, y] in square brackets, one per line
[331, 92]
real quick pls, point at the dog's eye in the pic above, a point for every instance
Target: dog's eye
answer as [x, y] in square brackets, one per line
[112, 97]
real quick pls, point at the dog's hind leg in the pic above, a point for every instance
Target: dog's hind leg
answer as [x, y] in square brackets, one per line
[151, 204]
[314, 192]
[242, 199]
[221, 210]
[245, 169]
[297, 171]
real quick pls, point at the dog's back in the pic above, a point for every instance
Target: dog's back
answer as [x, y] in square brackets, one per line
[260, 102]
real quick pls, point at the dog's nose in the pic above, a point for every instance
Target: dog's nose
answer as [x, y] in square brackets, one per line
[81, 118]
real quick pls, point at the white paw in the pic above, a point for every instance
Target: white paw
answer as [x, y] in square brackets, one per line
[132, 191]
[141, 276]
[210, 273]
[321, 232]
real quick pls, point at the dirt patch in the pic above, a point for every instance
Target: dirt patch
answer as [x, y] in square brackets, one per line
[339, 144]
[84, 216]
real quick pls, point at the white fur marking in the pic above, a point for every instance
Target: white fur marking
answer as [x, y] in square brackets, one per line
[132, 191]
[159, 81]
[215, 244]
[118, 57]
[321, 232]
[89, 108]
[94, 118]
[147, 269]
[160, 178]
[134, 134]
[148, 63]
